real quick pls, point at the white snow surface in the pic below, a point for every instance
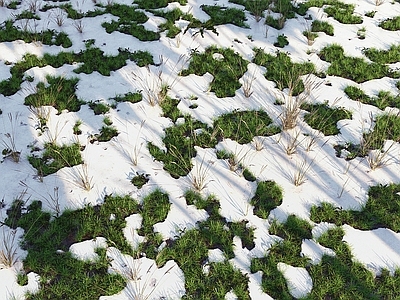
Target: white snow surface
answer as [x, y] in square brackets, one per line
[330, 179]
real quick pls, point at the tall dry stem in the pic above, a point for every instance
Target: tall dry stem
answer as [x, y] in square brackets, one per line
[9, 142]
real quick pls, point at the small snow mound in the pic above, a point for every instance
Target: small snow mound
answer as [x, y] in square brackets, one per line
[298, 280]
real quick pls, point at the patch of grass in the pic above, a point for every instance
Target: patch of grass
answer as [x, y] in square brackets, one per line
[392, 24]
[255, 7]
[130, 22]
[179, 141]
[354, 68]
[267, 197]
[322, 26]
[99, 107]
[281, 41]
[132, 97]
[107, 132]
[223, 15]
[59, 93]
[9, 33]
[389, 56]
[342, 12]
[243, 126]
[382, 100]
[153, 4]
[154, 209]
[140, 180]
[293, 231]
[382, 210]
[224, 64]
[56, 157]
[340, 276]
[214, 233]
[277, 23]
[387, 127]
[26, 14]
[282, 70]
[63, 276]
[324, 118]
[170, 109]
[76, 130]
[93, 59]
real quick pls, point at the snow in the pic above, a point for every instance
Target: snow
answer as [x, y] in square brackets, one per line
[342, 183]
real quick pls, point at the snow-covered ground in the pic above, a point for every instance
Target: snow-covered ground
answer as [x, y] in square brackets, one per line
[330, 179]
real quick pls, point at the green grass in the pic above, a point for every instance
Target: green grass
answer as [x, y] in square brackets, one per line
[342, 12]
[63, 276]
[324, 118]
[153, 4]
[107, 132]
[59, 93]
[267, 197]
[222, 15]
[132, 97]
[392, 24]
[243, 126]
[382, 210]
[9, 33]
[56, 157]
[213, 233]
[389, 56]
[382, 100]
[140, 180]
[282, 70]
[179, 141]
[93, 59]
[387, 127]
[354, 68]
[226, 71]
[130, 21]
[293, 231]
[322, 26]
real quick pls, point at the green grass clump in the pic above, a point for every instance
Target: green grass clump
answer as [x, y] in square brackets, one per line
[382, 210]
[342, 12]
[63, 276]
[170, 109]
[226, 71]
[354, 68]
[179, 141]
[132, 97]
[99, 108]
[222, 15]
[107, 132]
[140, 180]
[293, 231]
[389, 56]
[324, 118]
[60, 93]
[154, 209]
[9, 33]
[392, 24]
[255, 7]
[243, 126]
[322, 26]
[153, 4]
[387, 127]
[267, 197]
[282, 70]
[130, 22]
[382, 100]
[214, 233]
[56, 157]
